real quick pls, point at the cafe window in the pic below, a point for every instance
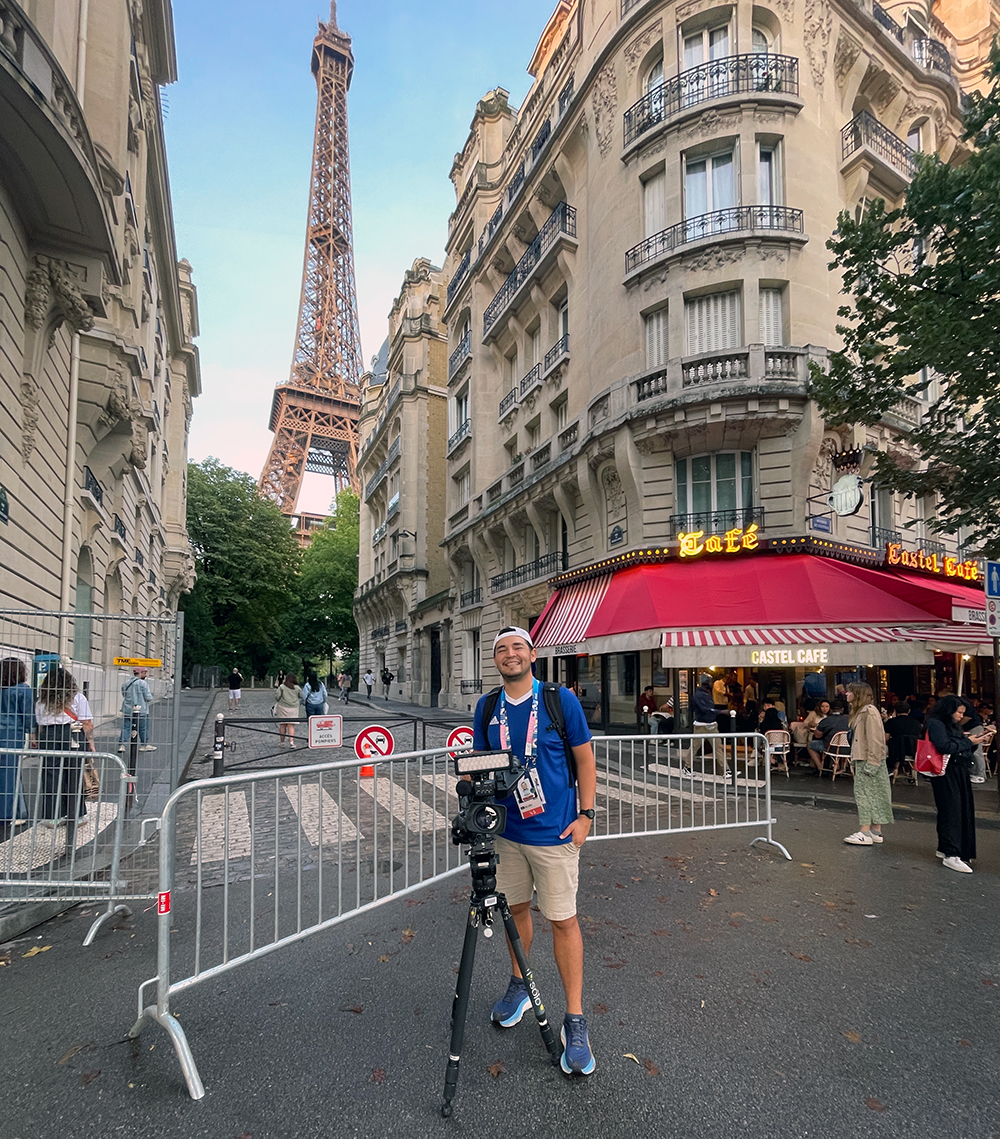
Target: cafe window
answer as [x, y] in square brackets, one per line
[715, 491]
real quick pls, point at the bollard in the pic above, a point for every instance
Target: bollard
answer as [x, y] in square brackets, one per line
[219, 748]
[133, 744]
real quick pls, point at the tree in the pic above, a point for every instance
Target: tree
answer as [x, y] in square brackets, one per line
[247, 560]
[924, 281]
[321, 622]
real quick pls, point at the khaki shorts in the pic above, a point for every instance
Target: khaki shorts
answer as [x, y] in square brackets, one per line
[553, 872]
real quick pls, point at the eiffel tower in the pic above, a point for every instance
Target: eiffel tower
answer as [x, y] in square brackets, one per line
[314, 414]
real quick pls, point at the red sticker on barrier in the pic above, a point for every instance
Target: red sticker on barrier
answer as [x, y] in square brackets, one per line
[163, 902]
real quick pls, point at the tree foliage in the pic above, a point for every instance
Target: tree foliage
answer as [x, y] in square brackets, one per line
[924, 283]
[247, 560]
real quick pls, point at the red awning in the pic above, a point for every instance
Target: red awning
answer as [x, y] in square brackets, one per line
[568, 613]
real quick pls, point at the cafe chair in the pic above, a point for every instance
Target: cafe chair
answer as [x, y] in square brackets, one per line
[838, 756]
[780, 743]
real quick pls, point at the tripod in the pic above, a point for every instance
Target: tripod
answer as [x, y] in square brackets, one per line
[483, 904]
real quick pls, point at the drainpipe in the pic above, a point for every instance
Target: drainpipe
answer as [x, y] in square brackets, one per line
[81, 51]
[69, 488]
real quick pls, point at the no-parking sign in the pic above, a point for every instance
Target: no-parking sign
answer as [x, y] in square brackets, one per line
[373, 741]
[461, 740]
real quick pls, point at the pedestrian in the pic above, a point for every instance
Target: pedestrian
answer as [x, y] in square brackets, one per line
[17, 720]
[136, 695]
[548, 819]
[287, 698]
[956, 812]
[387, 679]
[344, 684]
[872, 790]
[705, 722]
[314, 695]
[62, 714]
[369, 679]
[235, 688]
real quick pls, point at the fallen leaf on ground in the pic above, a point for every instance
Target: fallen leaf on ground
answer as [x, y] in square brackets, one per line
[986, 980]
[600, 1009]
[801, 956]
[661, 932]
[4, 959]
[86, 1077]
[631, 1056]
[245, 1135]
[854, 1037]
[714, 893]
[768, 919]
[496, 1070]
[357, 1009]
[378, 1075]
[70, 1054]
[965, 1043]
[37, 949]
[383, 958]
[408, 935]
[874, 1104]
[651, 1068]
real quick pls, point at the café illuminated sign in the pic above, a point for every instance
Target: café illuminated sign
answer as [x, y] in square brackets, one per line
[731, 542]
[806, 655]
[945, 565]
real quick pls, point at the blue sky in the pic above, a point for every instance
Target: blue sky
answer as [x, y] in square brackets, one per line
[239, 135]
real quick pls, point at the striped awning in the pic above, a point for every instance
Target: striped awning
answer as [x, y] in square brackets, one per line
[565, 621]
[951, 638]
[818, 635]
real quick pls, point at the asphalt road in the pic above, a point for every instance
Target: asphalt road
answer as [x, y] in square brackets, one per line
[849, 992]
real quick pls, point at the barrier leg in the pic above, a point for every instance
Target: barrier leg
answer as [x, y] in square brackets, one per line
[113, 910]
[196, 1089]
[769, 838]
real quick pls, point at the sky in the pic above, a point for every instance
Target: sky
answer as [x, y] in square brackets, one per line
[239, 127]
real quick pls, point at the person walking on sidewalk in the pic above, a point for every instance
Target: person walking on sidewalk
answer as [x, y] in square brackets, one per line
[387, 679]
[956, 811]
[344, 684]
[136, 694]
[288, 697]
[548, 819]
[235, 688]
[314, 695]
[872, 790]
[369, 679]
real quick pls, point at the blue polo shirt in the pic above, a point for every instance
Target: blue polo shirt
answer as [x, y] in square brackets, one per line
[560, 792]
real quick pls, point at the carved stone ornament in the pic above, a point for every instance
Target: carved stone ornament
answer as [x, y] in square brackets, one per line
[117, 408]
[641, 44]
[712, 123]
[29, 416]
[845, 56]
[714, 257]
[771, 253]
[829, 447]
[50, 288]
[818, 26]
[614, 495]
[604, 102]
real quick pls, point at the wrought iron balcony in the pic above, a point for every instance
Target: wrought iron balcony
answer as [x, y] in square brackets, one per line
[491, 228]
[119, 528]
[561, 222]
[383, 469]
[400, 626]
[532, 379]
[460, 355]
[717, 521]
[393, 508]
[470, 687]
[886, 21]
[628, 5]
[932, 55]
[459, 277]
[140, 561]
[152, 579]
[864, 130]
[565, 97]
[733, 220]
[459, 435]
[531, 571]
[541, 139]
[92, 486]
[381, 633]
[882, 537]
[558, 350]
[471, 597]
[733, 75]
[932, 546]
[515, 183]
[380, 533]
[509, 402]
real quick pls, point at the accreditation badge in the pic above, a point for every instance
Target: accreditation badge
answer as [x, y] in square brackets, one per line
[529, 795]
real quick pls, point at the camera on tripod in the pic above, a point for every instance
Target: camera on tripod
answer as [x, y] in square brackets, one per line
[490, 774]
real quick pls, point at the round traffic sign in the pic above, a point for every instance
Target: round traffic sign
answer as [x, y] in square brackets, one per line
[373, 741]
[461, 740]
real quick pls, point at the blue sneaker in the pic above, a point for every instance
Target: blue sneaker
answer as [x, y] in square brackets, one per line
[577, 1058]
[512, 1005]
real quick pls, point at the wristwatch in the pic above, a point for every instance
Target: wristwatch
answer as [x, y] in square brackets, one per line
[590, 813]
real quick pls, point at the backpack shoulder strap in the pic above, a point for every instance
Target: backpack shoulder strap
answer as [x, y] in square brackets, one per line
[489, 706]
[554, 708]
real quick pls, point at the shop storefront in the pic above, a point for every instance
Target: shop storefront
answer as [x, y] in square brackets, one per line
[784, 618]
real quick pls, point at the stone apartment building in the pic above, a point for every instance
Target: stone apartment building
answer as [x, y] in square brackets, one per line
[403, 603]
[98, 368]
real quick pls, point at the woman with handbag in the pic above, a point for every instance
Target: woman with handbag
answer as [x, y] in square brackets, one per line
[956, 812]
[287, 698]
[872, 790]
[62, 713]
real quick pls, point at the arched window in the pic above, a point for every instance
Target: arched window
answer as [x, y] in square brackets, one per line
[654, 77]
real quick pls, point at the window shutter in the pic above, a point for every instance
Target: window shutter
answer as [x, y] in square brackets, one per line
[656, 339]
[713, 323]
[771, 323]
[654, 204]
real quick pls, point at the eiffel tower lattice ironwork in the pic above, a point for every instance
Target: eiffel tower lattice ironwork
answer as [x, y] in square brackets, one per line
[314, 415]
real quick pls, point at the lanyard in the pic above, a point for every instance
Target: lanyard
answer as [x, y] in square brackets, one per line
[531, 736]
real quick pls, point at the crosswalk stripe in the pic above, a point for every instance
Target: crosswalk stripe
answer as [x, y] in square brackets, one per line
[698, 777]
[213, 828]
[36, 846]
[314, 804]
[410, 810]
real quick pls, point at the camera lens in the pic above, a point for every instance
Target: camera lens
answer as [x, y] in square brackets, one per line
[484, 819]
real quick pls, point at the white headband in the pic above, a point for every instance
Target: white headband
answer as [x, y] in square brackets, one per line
[513, 631]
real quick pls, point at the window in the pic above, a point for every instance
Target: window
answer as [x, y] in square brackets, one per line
[474, 652]
[702, 47]
[656, 339]
[712, 323]
[715, 491]
[532, 544]
[768, 176]
[709, 187]
[394, 546]
[654, 77]
[772, 325]
[460, 411]
[511, 369]
[563, 321]
[653, 89]
[883, 516]
[394, 484]
[654, 203]
[913, 138]
[463, 483]
[560, 414]
[534, 432]
[512, 452]
[760, 42]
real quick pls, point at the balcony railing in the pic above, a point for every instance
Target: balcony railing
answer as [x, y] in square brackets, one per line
[471, 597]
[932, 55]
[140, 561]
[532, 571]
[717, 521]
[865, 130]
[92, 486]
[932, 546]
[383, 469]
[542, 456]
[119, 527]
[381, 633]
[515, 183]
[559, 349]
[568, 437]
[628, 5]
[471, 687]
[515, 475]
[733, 75]
[886, 21]
[459, 435]
[509, 402]
[152, 579]
[394, 391]
[460, 355]
[541, 139]
[393, 508]
[494, 492]
[459, 277]
[532, 379]
[565, 97]
[733, 220]
[715, 367]
[650, 386]
[380, 533]
[562, 221]
[882, 537]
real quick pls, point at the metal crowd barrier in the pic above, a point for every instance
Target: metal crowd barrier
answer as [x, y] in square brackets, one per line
[253, 862]
[75, 832]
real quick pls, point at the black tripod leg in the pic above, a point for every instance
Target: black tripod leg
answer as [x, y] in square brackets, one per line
[548, 1037]
[459, 1011]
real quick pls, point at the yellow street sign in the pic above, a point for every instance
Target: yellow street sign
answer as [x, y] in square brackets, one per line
[137, 662]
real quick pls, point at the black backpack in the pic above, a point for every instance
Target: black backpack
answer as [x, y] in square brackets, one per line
[554, 709]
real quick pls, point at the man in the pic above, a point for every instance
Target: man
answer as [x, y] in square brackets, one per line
[387, 679]
[545, 829]
[369, 679]
[136, 694]
[235, 688]
[647, 703]
[705, 722]
[344, 684]
[837, 721]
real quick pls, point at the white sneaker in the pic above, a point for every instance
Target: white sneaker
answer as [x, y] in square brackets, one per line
[977, 778]
[955, 863]
[148, 747]
[877, 836]
[940, 854]
[121, 749]
[859, 838]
